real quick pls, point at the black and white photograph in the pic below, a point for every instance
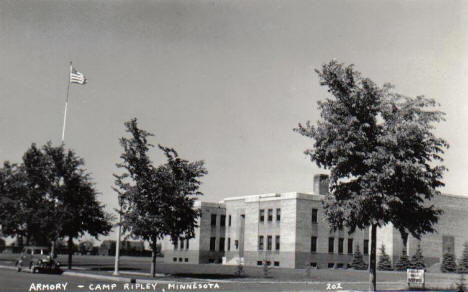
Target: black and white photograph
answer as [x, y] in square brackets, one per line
[233, 145]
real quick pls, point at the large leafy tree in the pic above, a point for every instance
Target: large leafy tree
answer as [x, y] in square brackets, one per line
[76, 204]
[50, 196]
[382, 155]
[27, 205]
[13, 197]
[156, 201]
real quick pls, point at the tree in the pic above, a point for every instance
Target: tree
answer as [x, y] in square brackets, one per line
[156, 201]
[2, 244]
[27, 206]
[403, 262]
[417, 260]
[381, 153]
[51, 196]
[358, 263]
[77, 207]
[463, 263]
[385, 264]
[448, 263]
[13, 203]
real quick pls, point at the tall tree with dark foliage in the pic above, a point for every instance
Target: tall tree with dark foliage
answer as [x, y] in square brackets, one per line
[156, 201]
[50, 196]
[382, 155]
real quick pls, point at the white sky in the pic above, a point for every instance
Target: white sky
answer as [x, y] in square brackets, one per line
[222, 81]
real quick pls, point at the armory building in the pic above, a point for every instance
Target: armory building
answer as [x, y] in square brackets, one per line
[290, 230]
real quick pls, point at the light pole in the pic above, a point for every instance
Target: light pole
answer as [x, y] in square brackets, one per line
[117, 244]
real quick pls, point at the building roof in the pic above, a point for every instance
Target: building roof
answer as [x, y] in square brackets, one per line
[275, 197]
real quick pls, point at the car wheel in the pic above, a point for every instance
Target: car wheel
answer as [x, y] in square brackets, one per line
[18, 267]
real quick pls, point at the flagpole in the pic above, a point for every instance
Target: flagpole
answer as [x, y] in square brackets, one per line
[66, 105]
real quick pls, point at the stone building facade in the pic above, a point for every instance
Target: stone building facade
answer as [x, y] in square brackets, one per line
[290, 230]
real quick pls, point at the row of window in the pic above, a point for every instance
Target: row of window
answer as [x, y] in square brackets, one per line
[222, 243]
[180, 243]
[331, 245]
[268, 263]
[270, 215]
[222, 221]
[180, 260]
[262, 218]
[269, 242]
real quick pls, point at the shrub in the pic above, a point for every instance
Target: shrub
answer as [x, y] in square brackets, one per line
[384, 264]
[448, 263]
[463, 263]
[403, 262]
[358, 262]
[417, 260]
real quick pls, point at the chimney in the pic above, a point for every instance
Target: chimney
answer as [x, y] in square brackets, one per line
[320, 184]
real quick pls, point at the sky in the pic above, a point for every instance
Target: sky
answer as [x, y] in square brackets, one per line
[220, 81]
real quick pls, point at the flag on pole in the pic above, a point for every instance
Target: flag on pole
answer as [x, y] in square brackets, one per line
[77, 77]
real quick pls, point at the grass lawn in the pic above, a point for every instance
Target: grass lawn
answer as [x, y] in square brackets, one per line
[105, 264]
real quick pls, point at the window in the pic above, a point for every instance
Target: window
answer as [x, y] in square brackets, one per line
[340, 245]
[174, 259]
[213, 219]
[186, 244]
[221, 244]
[314, 215]
[180, 259]
[211, 261]
[223, 220]
[186, 260]
[448, 244]
[276, 264]
[269, 242]
[340, 266]
[268, 263]
[181, 243]
[175, 243]
[278, 215]
[314, 265]
[212, 243]
[366, 246]
[236, 243]
[313, 244]
[229, 220]
[350, 245]
[331, 243]
[270, 215]
[277, 242]
[262, 215]
[331, 265]
[259, 263]
[260, 242]
[229, 244]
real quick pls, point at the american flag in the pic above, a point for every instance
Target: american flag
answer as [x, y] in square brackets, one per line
[77, 77]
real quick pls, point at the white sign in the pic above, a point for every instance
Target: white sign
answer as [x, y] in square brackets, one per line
[415, 277]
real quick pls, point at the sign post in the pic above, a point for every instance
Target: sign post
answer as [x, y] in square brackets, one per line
[416, 278]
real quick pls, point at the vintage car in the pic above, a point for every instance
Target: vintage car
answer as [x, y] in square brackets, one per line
[37, 259]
